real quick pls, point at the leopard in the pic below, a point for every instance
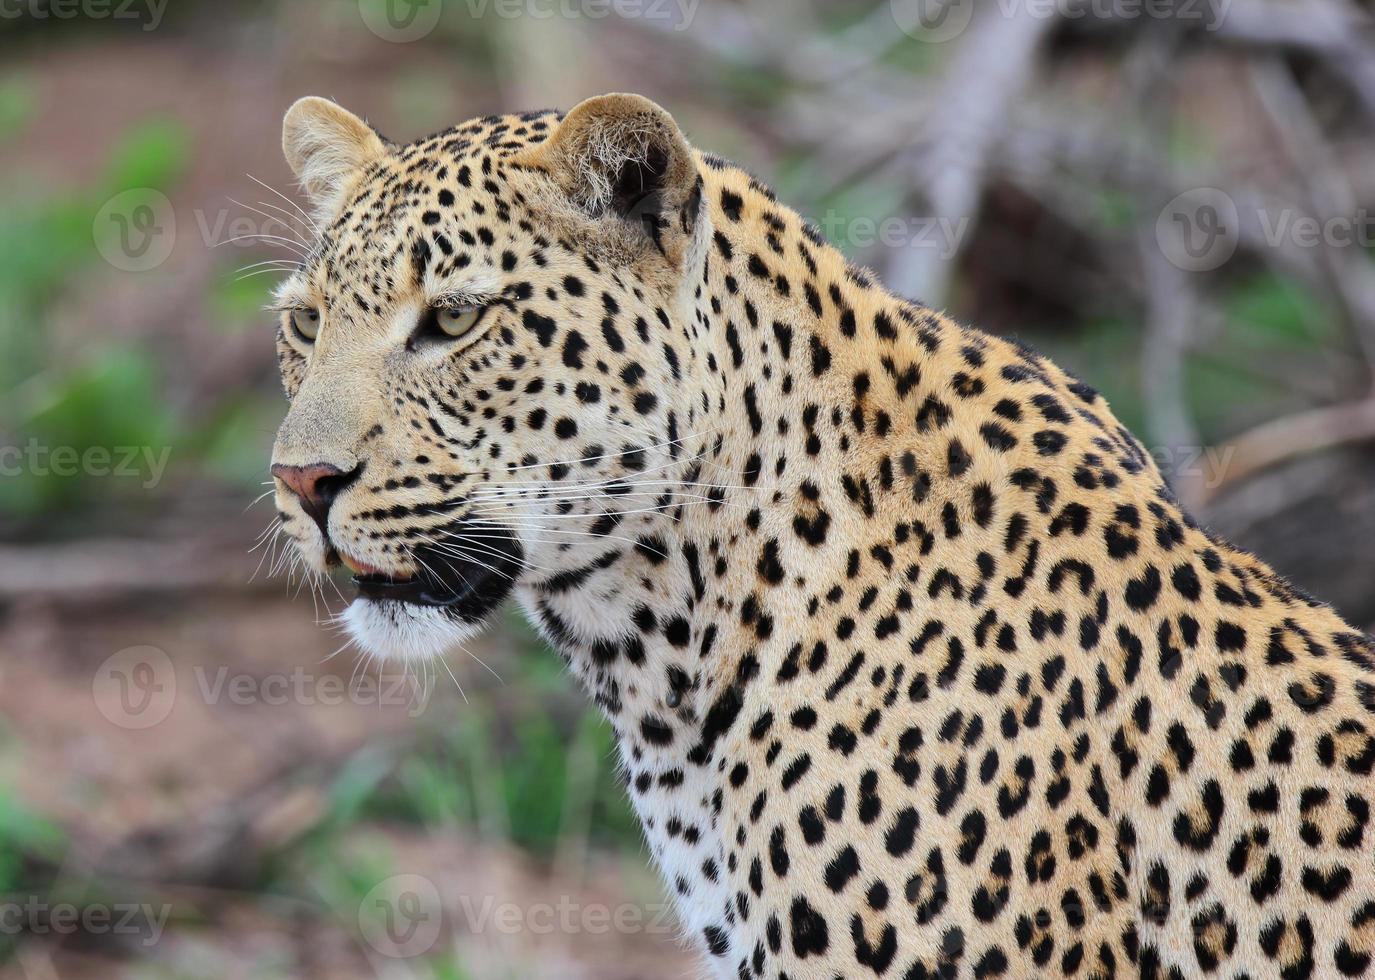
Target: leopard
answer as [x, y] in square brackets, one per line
[915, 663]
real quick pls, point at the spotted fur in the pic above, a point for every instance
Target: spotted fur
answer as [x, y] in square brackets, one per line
[916, 667]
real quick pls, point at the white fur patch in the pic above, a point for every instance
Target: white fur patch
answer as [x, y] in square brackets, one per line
[609, 146]
[402, 631]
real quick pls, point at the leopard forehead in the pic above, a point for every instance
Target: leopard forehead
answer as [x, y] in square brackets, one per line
[422, 220]
[445, 214]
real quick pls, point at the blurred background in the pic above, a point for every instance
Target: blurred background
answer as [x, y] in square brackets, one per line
[1169, 196]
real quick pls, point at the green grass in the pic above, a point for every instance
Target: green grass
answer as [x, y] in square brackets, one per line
[527, 777]
[108, 397]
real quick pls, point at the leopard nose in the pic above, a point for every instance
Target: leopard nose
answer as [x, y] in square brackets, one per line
[317, 485]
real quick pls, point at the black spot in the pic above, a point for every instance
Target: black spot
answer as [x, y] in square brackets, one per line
[656, 731]
[808, 926]
[731, 203]
[718, 940]
[573, 347]
[902, 833]
[957, 458]
[843, 867]
[821, 357]
[542, 326]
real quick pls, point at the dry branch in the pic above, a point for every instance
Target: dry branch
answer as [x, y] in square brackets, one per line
[990, 70]
[1292, 436]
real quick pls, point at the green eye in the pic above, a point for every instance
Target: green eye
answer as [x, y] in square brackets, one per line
[456, 321]
[306, 323]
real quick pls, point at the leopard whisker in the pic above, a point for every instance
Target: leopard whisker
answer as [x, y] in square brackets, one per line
[552, 530]
[300, 210]
[276, 240]
[445, 665]
[451, 546]
[285, 263]
[289, 227]
[263, 272]
[484, 664]
[311, 227]
[328, 657]
[269, 537]
[256, 500]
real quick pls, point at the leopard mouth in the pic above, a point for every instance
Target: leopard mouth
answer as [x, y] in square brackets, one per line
[466, 582]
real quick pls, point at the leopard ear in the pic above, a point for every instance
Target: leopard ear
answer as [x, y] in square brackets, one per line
[326, 146]
[622, 158]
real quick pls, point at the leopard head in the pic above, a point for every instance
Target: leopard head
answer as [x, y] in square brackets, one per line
[488, 353]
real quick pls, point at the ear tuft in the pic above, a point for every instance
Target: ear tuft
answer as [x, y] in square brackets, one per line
[622, 156]
[326, 146]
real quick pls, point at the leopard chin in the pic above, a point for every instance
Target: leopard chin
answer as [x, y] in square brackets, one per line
[394, 630]
[443, 605]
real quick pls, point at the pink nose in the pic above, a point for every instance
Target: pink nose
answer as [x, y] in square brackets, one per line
[316, 485]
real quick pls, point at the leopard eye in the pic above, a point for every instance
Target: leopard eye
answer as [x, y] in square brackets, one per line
[441, 324]
[458, 320]
[306, 323]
